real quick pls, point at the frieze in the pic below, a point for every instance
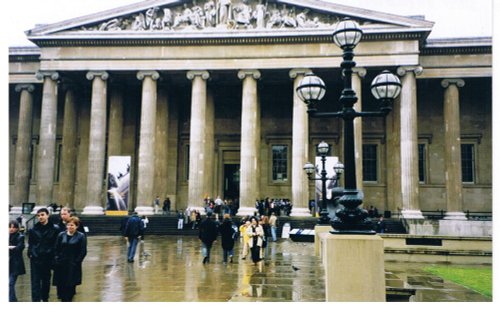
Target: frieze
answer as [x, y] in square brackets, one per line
[213, 15]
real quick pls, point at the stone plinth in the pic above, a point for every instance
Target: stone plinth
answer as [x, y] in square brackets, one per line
[354, 268]
[318, 230]
[144, 210]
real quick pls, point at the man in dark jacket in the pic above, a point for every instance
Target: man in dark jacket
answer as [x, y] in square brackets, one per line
[16, 263]
[64, 216]
[133, 230]
[207, 234]
[41, 247]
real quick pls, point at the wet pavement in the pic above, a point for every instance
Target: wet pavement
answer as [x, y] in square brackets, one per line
[172, 271]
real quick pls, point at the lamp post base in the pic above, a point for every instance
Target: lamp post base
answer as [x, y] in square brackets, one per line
[351, 218]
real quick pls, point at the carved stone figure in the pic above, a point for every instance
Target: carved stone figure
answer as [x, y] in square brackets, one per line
[150, 19]
[288, 18]
[224, 11]
[139, 22]
[275, 19]
[167, 19]
[210, 14]
[242, 13]
[260, 14]
[112, 25]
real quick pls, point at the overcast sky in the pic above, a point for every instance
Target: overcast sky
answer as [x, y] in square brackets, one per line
[453, 18]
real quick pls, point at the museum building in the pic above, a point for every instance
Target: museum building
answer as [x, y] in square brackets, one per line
[197, 98]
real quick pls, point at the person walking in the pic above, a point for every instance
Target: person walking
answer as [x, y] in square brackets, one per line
[227, 234]
[16, 262]
[41, 246]
[264, 222]
[157, 204]
[180, 220]
[166, 206]
[380, 228]
[255, 234]
[133, 230]
[70, 250]
[244, 238]
[207, 234]
[273, 223]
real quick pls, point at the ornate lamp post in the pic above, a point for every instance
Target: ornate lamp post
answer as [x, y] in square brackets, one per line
[310, 169]
[350, 219]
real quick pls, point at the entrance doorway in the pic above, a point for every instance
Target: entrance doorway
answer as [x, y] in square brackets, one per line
[231, 181]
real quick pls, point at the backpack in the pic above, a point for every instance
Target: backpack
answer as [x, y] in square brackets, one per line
[235, 232]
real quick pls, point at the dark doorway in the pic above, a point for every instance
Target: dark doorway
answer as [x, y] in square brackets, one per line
[231, 181]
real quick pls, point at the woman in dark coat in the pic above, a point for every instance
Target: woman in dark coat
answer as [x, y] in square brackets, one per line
[16, 262]
[227, 238]
[71, 249]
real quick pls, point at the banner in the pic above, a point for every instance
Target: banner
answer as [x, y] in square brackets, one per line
[118, 185]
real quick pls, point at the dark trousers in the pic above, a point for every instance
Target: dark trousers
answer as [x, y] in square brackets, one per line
[12, 287]
[40, 281]
[255, 250]
[66, 292]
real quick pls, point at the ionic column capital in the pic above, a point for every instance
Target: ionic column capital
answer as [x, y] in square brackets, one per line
[403, 70]
[143, 73]
[360, 71]
[255, 73]
[445, 83]
[92, 74]
[40, 75]
[194, 73]
[293, 73]
[25, 86]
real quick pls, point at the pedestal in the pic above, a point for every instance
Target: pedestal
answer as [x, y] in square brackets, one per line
[354, 268]
[318, 230]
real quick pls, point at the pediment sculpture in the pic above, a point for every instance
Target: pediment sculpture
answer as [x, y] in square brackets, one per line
[218, 15]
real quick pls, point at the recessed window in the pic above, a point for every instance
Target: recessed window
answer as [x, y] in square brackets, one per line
[468, 163]
[370, 163]
[187, 162]
[421, 162]
[280, 163]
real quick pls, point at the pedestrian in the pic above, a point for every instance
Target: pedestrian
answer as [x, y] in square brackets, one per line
[227, 234]
[255, 234]
[166, 206]
[244, 238]
[192, 218]
[180, 220]
[16, 262]
[41, 246]
[273, 223]
[380, 228]
[157, 204]
[264, 222]
[70, 250]
[133, 230]
[207, 234]
[64, 216]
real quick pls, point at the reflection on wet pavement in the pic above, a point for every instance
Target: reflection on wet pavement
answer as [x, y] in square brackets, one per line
[172, 271]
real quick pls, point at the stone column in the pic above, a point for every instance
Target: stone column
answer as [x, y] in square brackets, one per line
[300, 149]
[250, 143]
[409, 142]
[115, 131]
[97, 144]
[197, 139]
[452, 149]
[145, 174]
[393, 158]
[358, 74]
[68, 156]
[23, 148]
[47, 145]
[209, 146]
[161, 144]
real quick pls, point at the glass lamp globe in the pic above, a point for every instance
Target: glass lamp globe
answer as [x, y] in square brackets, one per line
[311, 89]
[386, 86]
[347, 34]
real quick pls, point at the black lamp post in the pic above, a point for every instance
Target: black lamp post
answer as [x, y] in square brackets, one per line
[351, 218]
[322, 150]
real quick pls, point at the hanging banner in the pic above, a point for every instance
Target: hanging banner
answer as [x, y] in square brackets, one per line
[118, 185]
[330, 173]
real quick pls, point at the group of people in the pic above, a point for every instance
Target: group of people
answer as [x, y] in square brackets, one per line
[54, 246]
[277, 205]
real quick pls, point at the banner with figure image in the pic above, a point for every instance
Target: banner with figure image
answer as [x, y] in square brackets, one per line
[330, 173]
[118, 185]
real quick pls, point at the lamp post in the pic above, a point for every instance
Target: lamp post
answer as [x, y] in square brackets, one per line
[322, 150]
[351, 218]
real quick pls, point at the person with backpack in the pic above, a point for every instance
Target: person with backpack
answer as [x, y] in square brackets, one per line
[133, 230]
[207, 234]
[228, 235]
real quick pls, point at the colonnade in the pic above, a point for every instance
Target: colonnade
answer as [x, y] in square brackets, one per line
[401, 125]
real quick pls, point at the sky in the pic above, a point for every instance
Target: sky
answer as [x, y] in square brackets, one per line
[453, 18]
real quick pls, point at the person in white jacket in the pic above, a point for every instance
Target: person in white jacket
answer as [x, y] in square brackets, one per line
[255, 233]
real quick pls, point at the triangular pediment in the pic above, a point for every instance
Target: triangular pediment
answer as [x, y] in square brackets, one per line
[167, 18]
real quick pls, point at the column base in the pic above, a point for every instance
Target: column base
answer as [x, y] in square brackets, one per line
[16, 210]
[457, 215]
[246, 211]
[36, 208]
[364, 254]
[300, 212]
[93, 210]
[201, 210]
[412, 214]
[144, 210]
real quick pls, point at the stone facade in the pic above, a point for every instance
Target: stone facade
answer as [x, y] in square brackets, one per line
[222, 90]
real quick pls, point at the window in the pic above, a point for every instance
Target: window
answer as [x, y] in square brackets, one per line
[187, 162]
[280, 163]
[421, 162]
[57, 171]
[468, 163]
[370, 162]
